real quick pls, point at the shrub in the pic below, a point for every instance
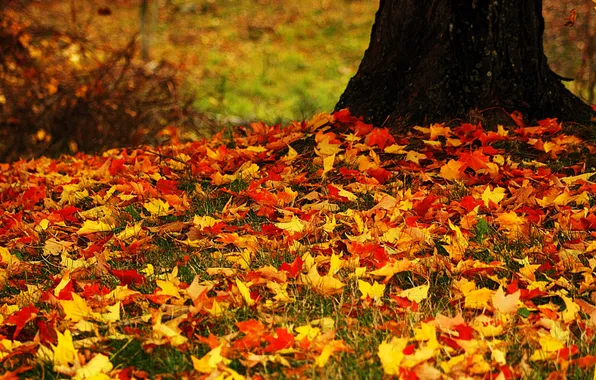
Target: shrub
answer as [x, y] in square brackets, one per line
[59, 93]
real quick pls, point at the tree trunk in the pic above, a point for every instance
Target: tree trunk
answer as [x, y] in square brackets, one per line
[436, 60]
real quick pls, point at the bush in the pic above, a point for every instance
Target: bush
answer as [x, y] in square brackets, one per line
[61, 94]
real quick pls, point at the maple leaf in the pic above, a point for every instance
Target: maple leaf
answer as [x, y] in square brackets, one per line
[157, 207]
[511, 222]
[21, 317]
[380, 137]
[477, 160]
[63, 355]
[549, 346]
[210, 361]
[495, 195]
[416, 294]
[374, 291]
[97, 368]
[391, 354]
[294, 225]
[77, 309]
[328, 164]
[329, 349]
[325, 285]
[128, 276]
[92, 226]
[453, 170]
[245, 292]
[506, 304]
[282, 339]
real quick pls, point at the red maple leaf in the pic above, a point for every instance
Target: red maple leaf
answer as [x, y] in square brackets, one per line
[362, 129]
[252, 326]
[32, 195]
[165, 186]
[469, 203]
[343, 116]
[379, 174]
[21, 317]
[465, 332]
[128, 276]
[282, 339]
[67, 214]
[476, 160]
[380, 137]
[293, 269]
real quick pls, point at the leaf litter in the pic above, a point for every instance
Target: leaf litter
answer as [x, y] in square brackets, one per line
[475, 249]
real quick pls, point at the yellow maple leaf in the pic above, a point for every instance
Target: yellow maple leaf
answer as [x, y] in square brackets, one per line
[374, 291]
[391, 354]
[582, 177]
[291, 156]
[55, 247]
[210, 361]
[511, 222]
[528, 271]
[170, 331]
[328, 164]
[294, 225]
[335, 263]
[280, 290]
[218, 308]
[330, 223]
[427, 333]
[168, 288]
[129, 232]
[204, 221]
[415, 157]
[326, 148]
[499, 356]
[157, 207]
[328, 350]
[571, 309]
[392, 268]
[345, 193]
[244, 292]
[149, 270]
[112, 313]
[64, 354]
[496, 195]
[7, 258]
[453, 362]
[97, 368]
[322, 284]
[77, 309]
[451, 171]
[92, 226]
[487, 327]
[63, 282]
[395, 149]
[416, 294]
[478, 298]
[437, 130]
[549, 346]
[306, 331]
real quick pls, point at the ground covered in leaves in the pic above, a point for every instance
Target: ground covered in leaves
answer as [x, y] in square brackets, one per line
[324, 249]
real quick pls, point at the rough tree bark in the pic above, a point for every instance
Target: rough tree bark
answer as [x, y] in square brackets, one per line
[436, 60]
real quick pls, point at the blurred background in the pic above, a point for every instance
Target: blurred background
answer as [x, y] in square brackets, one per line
[82, 75]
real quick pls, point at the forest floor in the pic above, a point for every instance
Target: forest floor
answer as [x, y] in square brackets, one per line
[264, 60]
[325, 249]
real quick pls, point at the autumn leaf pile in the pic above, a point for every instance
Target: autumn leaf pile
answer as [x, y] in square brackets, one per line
[326, 249]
